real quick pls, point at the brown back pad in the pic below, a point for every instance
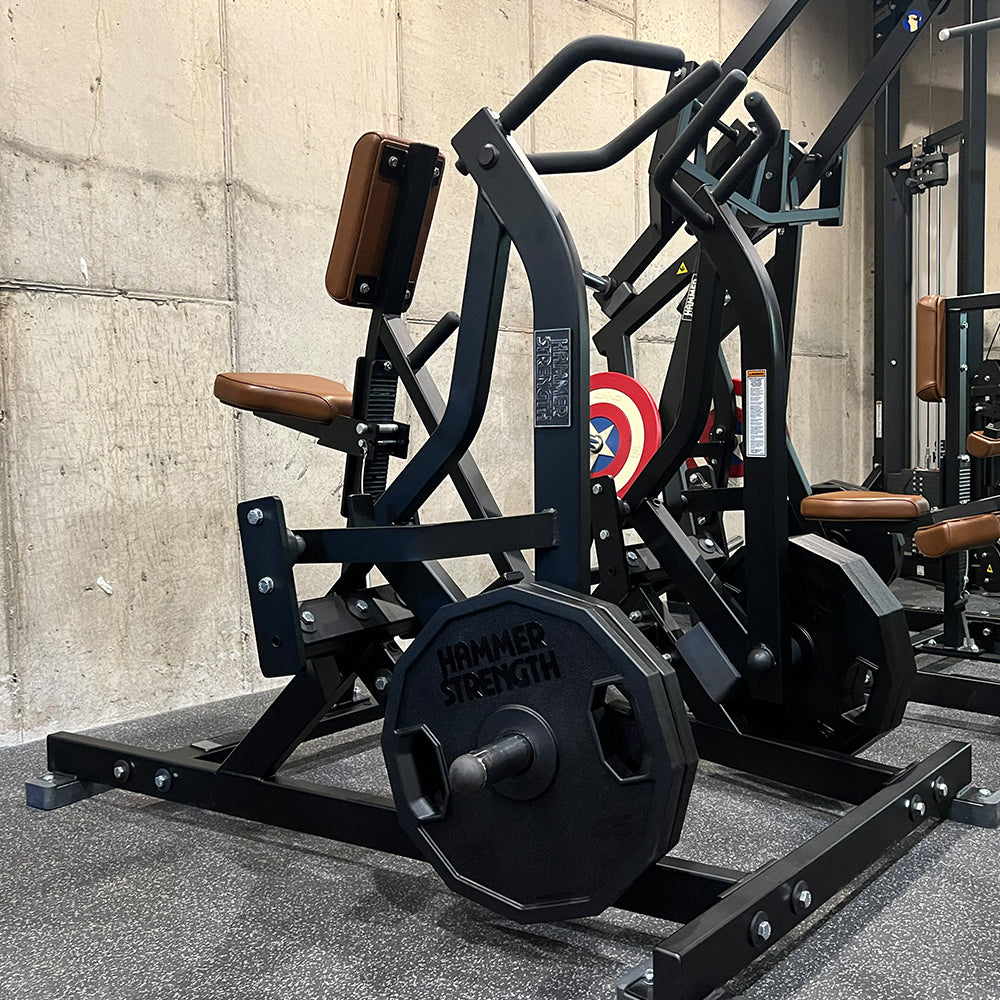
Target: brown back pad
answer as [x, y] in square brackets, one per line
[958, 535]
[978, 445]
[931, 331]
[365, 219]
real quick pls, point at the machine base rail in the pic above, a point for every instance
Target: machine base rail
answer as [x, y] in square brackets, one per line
[729, 917]
[760, 909]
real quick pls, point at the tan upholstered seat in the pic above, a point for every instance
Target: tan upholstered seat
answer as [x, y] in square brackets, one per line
[958, 535]
[980, 445]
[863, 505]
[307, 396]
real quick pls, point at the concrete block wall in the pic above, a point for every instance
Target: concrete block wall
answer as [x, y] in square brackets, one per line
[170, 179]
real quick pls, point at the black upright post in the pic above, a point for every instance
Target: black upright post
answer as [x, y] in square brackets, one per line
[893, 276]
[972, 176]
[956, 472]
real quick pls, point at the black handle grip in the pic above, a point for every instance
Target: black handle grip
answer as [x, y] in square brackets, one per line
[769, 132]
[585, 161]
[605, 48]
[698, 128]
[437, 335]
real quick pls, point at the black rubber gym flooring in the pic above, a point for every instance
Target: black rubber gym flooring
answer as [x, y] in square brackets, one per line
[126, 896]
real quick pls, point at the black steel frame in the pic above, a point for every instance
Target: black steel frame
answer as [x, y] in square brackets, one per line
[726, 911]
[722, 910]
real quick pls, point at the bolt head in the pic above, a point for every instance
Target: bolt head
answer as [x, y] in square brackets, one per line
[437, 172]
[255, 515]
[633, 557]
[634, 616]
[387, 365]
[488, 156]
[49, 777]
[381, 682]
[364, 288]
[916, 807]
[940, 787]
[361, 605]
[393, 162]
[121, 770]
[265, 585]
[764, 930]
[163, 779]
[596, 489]
[308, 617]
[361, 428]
[648, 974]
[604, 534]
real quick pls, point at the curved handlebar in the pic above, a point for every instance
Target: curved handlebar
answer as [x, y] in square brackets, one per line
[605, 48]
[685, 144]
[642, 128]
[702, 123]
[770, 131]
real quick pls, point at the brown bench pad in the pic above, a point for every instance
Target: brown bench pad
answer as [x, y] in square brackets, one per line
[958, 535]
[365, 221]
[930, 348]
[308, 396]
[979, 445]
[863, 505]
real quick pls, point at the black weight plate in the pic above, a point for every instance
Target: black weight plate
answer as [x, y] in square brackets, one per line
[685, 748]
[607, 814]
[851, 627]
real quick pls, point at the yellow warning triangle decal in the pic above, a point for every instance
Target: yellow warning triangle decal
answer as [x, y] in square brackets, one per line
[989, 569]
[683, 269]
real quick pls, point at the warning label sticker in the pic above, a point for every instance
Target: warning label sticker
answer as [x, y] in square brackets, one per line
[683, 269]
[755, 414]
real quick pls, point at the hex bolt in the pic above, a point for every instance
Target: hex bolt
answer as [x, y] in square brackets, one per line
[632, 557]
[382, 680]
[308, 617]
[361, 428]
[437, 172]
[940, 788]
[393, 162]
[596, 489]
[364, 288]
[265, 585]
[760, 929]
[387, 366]
[255, 515]
[604, 534]
[916, 808]
[635, 616]
[361, 605]
[48, 777]
[163, 779]
[122, 770]
[648, 975]
[801, 898]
